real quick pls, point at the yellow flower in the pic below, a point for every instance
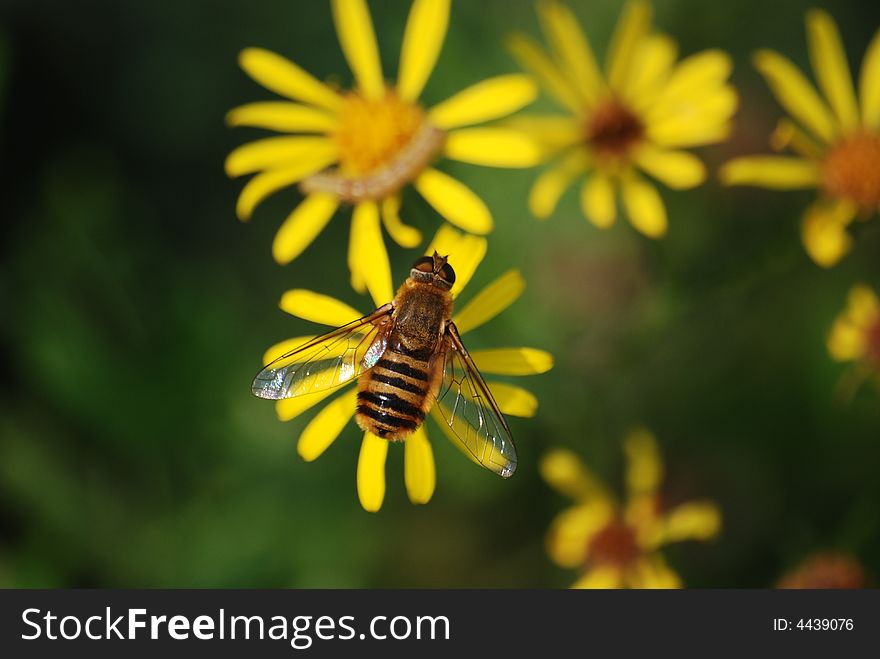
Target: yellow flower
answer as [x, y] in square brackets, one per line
[835, 139]
[855, 335]
[617, 546]
[377, 137]
[465, 253]
[638, 116]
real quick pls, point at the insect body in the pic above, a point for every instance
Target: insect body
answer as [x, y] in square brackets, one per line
[395, 395]
[409, 361]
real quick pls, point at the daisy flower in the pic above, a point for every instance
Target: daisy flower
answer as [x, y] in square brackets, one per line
[855, 335]
[835, 140]
[635, 118]
[465, 253]
[361, 146]
[614, 545]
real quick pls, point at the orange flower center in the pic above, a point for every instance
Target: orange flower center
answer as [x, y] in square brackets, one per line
[372, 132]
[613, 129]
[614, 545]
[851, 170]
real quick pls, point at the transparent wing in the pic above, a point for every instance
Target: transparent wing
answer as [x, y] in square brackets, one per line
[466, 407]
[327, 361]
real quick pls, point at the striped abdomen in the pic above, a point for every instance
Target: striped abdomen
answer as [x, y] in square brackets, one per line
[395, 395]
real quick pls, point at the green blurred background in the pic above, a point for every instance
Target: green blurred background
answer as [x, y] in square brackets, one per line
[136, 308]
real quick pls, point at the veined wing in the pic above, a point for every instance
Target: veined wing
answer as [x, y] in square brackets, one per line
[466, 407]
[327, 361]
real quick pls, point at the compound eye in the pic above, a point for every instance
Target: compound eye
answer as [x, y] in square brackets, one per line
[448, 274]
[424, 264]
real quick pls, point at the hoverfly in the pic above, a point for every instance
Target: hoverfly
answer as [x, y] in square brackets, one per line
[409, 359]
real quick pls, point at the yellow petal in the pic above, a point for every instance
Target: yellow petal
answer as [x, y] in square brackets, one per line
[641, 514]
[847, 339]
[514, 400]
[532, 58]
[695, 520]
[317, 308]
[422, 40]
[267, 183]
[796, 94]
[776, 172]
[831, 69]
[652, 63]
[490, 99]
[632, 27]
[282, 76]
[869, 84]
[597, 200]
[490, 301]
[302, 226]
[644, 466]
[692, 80]
[371, 256]
[863, 306]
[652, 572]
[571, 47]
[600, 577]
[677, 169]
[402, 234]
[845, 342]
[787, 135]
[371, 472]
[565, 472]
[644, 206]
[513, 361]
[326, 426]
[823, 231]
[418, 467]
[280, 151]
[494, 147]
[454, 201]
[550, 185]
[283, 116]
[290, 408]
[552, 132]
[571, 531]
[465, 253]
[354, 27]
[693, 120]
[682, 133]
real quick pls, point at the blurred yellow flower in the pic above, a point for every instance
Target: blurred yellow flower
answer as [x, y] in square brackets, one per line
[617, 545]
[465, 254]
[378, 137]
[835, 139]
[639, 115]
[855, 335]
